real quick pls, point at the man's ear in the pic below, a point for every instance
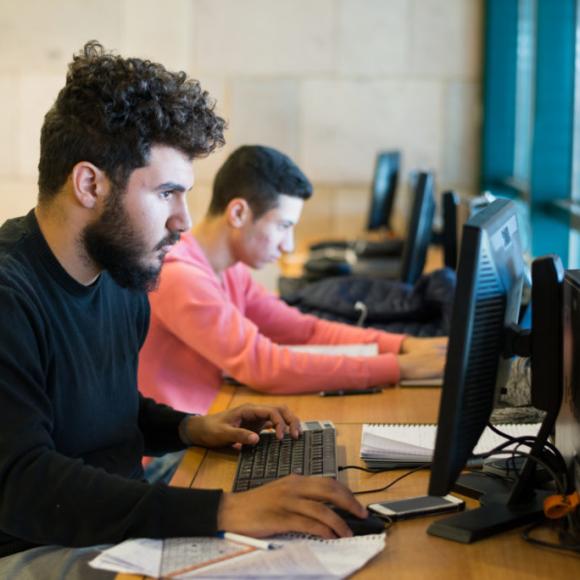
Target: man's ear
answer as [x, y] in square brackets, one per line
[238, 212]
[89, 183]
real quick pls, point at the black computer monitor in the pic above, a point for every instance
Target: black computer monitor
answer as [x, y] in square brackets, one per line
[483, 338]
[383, 189]
[419, 228]
[449, 209]
[456, 210]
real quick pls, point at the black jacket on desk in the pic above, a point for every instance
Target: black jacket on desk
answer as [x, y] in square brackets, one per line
[420, 309]
[73, 427]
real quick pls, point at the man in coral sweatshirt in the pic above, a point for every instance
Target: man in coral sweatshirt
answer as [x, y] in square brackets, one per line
[209, 317]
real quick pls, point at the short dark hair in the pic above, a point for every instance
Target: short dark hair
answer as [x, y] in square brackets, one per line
[113, 109]
[259, 175]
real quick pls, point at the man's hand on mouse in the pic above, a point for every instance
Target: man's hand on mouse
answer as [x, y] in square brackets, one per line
[291, 504]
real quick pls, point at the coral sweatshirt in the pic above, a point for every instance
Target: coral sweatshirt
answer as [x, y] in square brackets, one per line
[204, 325]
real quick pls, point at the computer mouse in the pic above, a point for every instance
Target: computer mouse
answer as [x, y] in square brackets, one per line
[362, 526]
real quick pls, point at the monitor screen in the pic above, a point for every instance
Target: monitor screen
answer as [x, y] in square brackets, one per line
[384, 189]
[490, 278]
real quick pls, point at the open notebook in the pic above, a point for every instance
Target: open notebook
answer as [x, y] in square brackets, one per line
[371, 349]
[385, 446]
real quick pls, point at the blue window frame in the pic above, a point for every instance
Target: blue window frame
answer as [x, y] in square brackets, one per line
[529, 122]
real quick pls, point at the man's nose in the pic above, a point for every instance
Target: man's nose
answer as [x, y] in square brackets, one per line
[180, 219]
[287, 244]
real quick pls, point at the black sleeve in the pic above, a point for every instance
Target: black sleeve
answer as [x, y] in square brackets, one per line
[48, 498]
[159, 425]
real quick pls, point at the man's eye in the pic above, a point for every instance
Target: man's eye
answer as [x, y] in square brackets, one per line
[166, 194]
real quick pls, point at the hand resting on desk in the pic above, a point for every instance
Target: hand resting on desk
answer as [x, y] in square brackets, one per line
[413, 344]
[292, 504]
[422, 358]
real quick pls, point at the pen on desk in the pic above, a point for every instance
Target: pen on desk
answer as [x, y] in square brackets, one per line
[342, 392]
[247, 541]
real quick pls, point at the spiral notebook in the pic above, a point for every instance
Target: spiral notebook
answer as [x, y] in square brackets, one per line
[385, 446]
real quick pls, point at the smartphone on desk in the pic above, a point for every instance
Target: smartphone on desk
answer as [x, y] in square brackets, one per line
[423, 505]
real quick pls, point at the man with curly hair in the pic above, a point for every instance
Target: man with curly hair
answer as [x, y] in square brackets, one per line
[115, 168]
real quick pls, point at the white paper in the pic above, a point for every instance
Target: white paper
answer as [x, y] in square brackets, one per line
[292, 561]
[140, 556]
[371, 349]
[185, 553]
[298, 557]
[343, 556]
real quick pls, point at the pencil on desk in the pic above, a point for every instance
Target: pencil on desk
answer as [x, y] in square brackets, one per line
[342, 392]
[247, 541]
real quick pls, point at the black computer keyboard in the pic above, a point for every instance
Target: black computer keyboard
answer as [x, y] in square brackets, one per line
[314, 453]
[386, 248]
[389, 248]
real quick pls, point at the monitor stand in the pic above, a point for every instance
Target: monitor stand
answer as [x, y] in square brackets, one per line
[496, 514]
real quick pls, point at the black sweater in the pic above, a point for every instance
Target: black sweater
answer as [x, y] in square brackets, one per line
[73, 427]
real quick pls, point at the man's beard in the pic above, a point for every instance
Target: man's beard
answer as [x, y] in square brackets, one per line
[114, 245]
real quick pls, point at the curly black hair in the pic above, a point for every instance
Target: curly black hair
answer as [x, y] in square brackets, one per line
[113, 109]
[258, 174]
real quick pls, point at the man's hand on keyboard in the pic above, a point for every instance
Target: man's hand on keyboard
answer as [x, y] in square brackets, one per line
[240, 426]
[291, 504]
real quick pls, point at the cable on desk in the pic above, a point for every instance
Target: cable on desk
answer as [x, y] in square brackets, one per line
[549, 455]
[500, 449]
[396, 480]
[526, 535]
[359, 468]
[528, 441]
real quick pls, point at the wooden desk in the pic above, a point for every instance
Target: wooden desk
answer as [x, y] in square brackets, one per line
[409, 552]
[187, 470]
[393, 405]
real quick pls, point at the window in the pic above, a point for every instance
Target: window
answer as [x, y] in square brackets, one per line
[530, 124]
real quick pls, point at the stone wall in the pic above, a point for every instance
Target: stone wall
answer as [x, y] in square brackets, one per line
[330, 82]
